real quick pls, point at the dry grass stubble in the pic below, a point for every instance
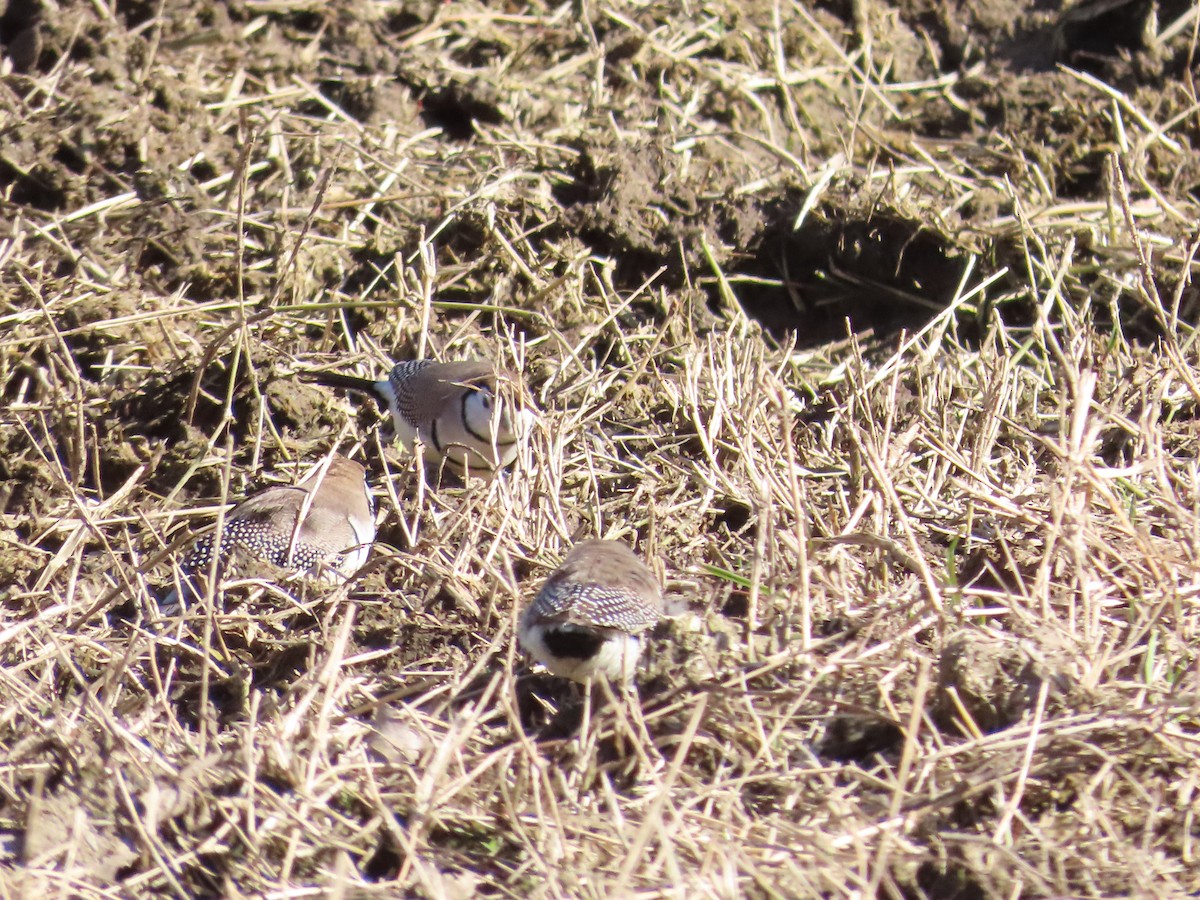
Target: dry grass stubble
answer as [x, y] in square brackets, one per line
[937, 585]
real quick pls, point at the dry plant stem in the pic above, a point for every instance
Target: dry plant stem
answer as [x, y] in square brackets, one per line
[653, 821]
[899, 792]
[208, 602]
[245, 321]
[624, 704]
[879, 471]
[1149, 289]
[659, 225]
[1003, 829]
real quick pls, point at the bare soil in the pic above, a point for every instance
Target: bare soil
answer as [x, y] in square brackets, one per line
[870, 323]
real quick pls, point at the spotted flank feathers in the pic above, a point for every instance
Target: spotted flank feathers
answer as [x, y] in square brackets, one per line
[266, 535]
[323, 526]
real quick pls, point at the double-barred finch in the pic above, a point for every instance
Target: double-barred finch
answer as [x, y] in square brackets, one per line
[452, 407]
[324, 525]
[589, 618]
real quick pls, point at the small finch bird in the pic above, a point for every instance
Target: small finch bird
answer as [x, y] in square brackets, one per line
[325, 525]
[589, 618]
[451, 407]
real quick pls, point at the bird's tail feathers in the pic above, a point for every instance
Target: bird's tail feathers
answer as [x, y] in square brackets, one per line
[348, 382]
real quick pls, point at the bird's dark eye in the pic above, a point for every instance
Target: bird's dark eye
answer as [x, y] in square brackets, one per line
[486, 400]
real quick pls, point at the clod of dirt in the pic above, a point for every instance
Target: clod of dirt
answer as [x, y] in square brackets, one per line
[17, 560]
[20, 39]
[994, 679]
[61, 826]
[640, 206]
[456, 108]
[1107, 37]
[302, 407]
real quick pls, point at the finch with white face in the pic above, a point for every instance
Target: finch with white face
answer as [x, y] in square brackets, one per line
[451, 407]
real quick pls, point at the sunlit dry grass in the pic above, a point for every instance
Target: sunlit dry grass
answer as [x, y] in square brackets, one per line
[934, 583]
